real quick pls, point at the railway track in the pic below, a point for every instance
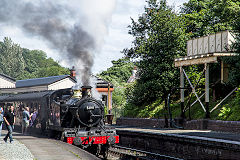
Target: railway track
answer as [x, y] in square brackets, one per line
[125, 153]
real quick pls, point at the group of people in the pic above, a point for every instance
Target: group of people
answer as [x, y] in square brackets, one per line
[9, 118]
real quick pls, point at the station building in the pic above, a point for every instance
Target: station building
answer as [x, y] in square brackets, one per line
[11, 88]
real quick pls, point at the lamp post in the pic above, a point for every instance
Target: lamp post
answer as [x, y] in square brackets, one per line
[109, 100]
[109, 115]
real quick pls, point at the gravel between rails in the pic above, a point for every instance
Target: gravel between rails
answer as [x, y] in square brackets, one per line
[14, 151]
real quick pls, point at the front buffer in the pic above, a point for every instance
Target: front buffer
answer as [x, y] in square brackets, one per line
[97, 141]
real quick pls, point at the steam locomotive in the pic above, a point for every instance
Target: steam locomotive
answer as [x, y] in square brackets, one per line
[77, 119]
[82, 121]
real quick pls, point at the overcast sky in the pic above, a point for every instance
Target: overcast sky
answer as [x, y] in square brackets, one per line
[113, 39]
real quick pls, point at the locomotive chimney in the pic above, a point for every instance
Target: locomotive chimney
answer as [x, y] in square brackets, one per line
[86, 91]
[73, 72]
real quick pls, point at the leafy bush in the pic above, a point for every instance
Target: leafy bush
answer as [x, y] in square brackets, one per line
[225, 112]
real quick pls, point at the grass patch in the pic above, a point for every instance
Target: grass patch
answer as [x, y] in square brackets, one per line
[229, 110]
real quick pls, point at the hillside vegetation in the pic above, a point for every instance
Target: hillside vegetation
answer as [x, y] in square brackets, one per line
[118, 75]
[22, 63]
[160, 35]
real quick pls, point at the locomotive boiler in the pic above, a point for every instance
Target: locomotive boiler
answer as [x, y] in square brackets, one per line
[81, 120]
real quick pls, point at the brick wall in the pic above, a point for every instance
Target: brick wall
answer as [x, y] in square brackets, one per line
[141, 122]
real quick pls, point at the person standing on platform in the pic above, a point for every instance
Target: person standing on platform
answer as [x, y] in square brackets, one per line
[33, 118]
[25, 121]
[1, 120]
[2, 110]
[9, 118]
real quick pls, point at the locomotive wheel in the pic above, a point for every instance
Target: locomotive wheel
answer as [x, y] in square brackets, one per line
[98, 151]
[93, 149]
[105, 154]
[104, 150]
[51, 133]
[63, 137]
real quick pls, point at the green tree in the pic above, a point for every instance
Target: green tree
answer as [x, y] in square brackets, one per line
[30, 60]
[159, 38]
[22, 63]
[38, 65]
[204, 16]
[234, 74]
[119, 72]
[118, 75]
[52, 71]
[11, 58]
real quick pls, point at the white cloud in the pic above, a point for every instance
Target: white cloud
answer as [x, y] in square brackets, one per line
[118, 37]
[19, 37]
[108, 21]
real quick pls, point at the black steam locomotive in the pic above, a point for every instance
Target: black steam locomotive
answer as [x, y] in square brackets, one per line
[82, 121]
[78, 120]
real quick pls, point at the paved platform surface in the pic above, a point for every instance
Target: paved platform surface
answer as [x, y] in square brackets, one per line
[43, 148]
[202, 134]
[14, 151]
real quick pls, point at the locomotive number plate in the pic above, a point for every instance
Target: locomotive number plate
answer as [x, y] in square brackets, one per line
[90, 107]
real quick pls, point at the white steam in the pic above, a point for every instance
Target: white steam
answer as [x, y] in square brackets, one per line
[75, 28]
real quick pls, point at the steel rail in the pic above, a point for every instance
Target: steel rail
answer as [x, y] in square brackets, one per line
[140, 153]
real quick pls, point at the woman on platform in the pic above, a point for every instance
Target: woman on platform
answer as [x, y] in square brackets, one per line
[1, 120]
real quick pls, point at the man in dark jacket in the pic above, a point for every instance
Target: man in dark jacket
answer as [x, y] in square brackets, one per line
[9, 118]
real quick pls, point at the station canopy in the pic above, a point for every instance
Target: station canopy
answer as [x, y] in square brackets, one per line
[25, 96]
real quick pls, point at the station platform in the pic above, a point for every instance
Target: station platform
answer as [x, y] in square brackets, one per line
[181, 143]
[200, 134]
[29, 147]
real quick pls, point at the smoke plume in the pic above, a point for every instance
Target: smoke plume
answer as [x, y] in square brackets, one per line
[64, 25]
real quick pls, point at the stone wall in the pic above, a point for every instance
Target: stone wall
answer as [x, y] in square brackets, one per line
[201, 124]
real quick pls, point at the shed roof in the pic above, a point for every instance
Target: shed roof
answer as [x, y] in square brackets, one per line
[101, 83]
[2, 98]
[41, 81]
[8, 77]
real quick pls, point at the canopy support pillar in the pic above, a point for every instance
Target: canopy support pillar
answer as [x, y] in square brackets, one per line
[207, 89]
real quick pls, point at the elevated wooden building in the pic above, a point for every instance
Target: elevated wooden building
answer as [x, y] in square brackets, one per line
[203, 51]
